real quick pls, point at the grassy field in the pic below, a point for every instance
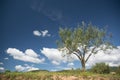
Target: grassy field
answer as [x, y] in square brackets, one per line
[60, 75]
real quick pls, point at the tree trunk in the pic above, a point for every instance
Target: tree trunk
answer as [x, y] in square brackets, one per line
[83, 65]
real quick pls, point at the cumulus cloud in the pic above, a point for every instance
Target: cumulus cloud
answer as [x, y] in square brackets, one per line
[28, 56]
[31, 53]
[19, 68]
[70, 64]
[110, 57]
[1, 63]
[36, 33]
[55, 62]
[2, 69]
[62, 68]
[33, 68]
[43, 33]
[67, 68]
[52, 54]
[25, 67]
[53, 70]
[56, 56]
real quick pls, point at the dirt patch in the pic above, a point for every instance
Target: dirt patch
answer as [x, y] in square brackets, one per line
[80, 78]
[56, 77]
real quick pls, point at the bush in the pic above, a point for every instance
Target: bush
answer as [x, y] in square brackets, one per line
[100, 68]
[118, 70]
[7, 71]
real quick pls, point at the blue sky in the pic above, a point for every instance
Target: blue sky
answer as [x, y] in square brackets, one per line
[32, 25]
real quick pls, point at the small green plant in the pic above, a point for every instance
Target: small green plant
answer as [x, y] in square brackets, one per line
[101, 68]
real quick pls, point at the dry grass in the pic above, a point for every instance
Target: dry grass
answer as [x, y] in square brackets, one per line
[63, 75]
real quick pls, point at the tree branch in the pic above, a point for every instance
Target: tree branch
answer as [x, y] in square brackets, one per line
[77, 55]
[90, 54]
[88, 57]
[78, 51]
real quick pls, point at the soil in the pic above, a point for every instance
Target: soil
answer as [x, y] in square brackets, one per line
[56, 77]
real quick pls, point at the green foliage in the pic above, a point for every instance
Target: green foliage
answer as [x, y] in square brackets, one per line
[118, 70]
[83, 36]
[100, 68]
[7, 71]
[113, 69]
[88, 35]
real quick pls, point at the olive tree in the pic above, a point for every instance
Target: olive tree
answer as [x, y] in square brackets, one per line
[82, 40]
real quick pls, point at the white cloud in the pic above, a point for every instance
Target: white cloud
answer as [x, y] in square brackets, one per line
[70, 64]
[52, 54]
[33, 68]
[67, 68]
[31, 53]
[45, 33]
[111, 57]
[36, 33]
[1, 63]
[28, 56]
[6, 58]
[41, 33]
[53, 70]
[19, 68]
[55, 62]
[59, 68]
[2, 69]
[25, 67]
[56, 56]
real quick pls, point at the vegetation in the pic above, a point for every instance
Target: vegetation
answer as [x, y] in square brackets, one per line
[60, 75]
[7, 71]
[118, 70]
[85, 37]
[101, 68]
[78, 41]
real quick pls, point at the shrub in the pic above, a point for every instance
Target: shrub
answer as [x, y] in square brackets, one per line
[118, 70]
[7, 71]
[100, 68]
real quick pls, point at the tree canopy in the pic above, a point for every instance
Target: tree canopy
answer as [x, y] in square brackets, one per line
[79, 40]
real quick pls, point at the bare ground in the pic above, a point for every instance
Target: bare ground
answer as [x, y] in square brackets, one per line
[57, 77]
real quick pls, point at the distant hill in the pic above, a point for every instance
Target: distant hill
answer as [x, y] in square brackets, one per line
[39, 71]
[112, 69]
